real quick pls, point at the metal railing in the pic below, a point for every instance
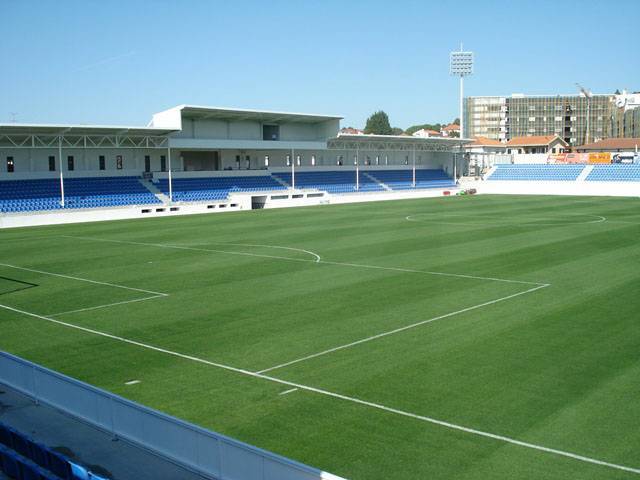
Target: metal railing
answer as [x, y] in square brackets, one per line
[206, 452]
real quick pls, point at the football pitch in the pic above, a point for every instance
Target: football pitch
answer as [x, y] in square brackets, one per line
[484, 337]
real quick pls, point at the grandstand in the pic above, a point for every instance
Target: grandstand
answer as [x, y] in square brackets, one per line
[216, 188]
[403, 179]
[89, 192]
[332, 181]
[228, 159]
[536, 172]
[23, 458]
[614, 173]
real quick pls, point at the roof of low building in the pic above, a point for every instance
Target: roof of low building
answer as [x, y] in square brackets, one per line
[486, 142]
[427, 130]
[539, 140]
[452, 127]
[612, 144]
[351, 131]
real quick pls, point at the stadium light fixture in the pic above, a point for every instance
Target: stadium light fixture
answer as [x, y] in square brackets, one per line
[461, 65]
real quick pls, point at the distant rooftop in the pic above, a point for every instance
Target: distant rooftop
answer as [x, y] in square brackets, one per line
[612, 144]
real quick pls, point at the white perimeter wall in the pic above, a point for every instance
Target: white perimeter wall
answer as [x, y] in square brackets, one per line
[611, 189]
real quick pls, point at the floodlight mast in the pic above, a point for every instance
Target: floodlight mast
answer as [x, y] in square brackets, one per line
[461, 65]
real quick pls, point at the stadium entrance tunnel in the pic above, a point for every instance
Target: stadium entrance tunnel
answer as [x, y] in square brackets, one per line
[258, 201]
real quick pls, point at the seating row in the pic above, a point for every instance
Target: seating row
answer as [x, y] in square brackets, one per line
[614, 173]
[536, 172]
[23, 458]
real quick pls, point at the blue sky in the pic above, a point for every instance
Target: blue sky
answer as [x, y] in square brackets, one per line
[117, 62]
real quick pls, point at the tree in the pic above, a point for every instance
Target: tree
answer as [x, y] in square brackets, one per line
[397, 131]
[378, 124]
[456, 121]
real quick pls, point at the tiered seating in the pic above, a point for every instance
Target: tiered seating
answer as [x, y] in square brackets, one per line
[95, 192]
[403, 179]
[106, 192]
[536, 172]
[25, 459]
[331, 181]
[29, 195]
[614, 173]
[216, 188]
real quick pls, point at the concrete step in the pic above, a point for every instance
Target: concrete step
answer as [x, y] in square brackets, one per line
[280, 181]
[585, 173]
[371, 177]
[148, 184]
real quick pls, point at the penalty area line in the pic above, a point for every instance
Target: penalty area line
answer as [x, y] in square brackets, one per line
[327, 393]
[316, 260]
[80, 279]
[400, 329]
[124, 302]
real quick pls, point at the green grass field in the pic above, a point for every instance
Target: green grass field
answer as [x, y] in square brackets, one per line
[523, 312]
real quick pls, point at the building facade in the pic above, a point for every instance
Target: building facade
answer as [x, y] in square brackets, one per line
[193, 139]
[577, 119]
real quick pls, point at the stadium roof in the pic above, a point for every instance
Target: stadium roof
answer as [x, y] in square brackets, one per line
[61, 129]
[611, 144]
[239, 114]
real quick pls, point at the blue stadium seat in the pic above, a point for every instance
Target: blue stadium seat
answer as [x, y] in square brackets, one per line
[403, 179]
[536, 172]
[9, 463]
[88, 192]
[332, 181]
[5, 436]
[614, 173]
[40, 454]
[199, 189]
[21, 444]
[59, 465]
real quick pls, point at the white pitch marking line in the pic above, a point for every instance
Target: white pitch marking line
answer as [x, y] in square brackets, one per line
[106, 305]
[327, 393]
[132, 382]
[401, 329]
[196, 249]
[291, 390]
[326, 262]
[274, 246]
[158, 294]
[599, 219]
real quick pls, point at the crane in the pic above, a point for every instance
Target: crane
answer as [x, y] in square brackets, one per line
[588, 95]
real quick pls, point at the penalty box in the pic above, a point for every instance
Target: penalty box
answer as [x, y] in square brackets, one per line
[55, 294]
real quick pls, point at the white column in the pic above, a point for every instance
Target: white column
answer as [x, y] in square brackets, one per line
[170, 176]
[293, 169]
[461, 106]
[455, 161]
[61, 176]
[357, 169]
[414, 167]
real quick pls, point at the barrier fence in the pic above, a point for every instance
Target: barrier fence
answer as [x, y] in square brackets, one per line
[198, 449]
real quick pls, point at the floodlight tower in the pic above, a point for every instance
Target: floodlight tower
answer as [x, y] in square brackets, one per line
[461, 65]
